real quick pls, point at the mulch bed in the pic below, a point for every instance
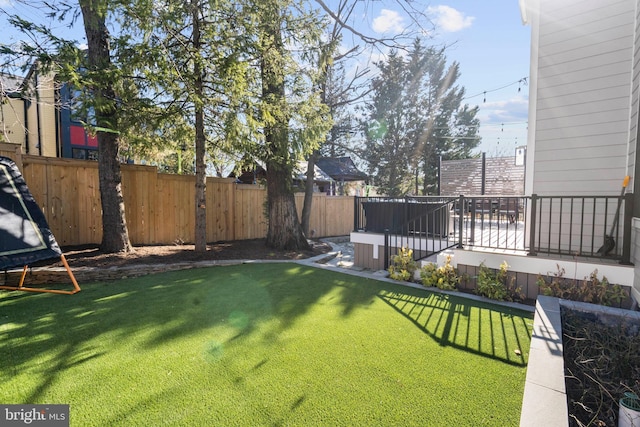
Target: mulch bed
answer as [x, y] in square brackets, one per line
[255, 249]
[602, 362]
[90, 264]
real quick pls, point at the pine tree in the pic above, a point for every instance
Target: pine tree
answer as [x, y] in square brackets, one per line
[191, 58]
[387, 134]
[414, 117]
[102, 78]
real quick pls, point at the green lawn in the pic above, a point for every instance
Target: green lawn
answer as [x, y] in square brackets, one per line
[263, 344]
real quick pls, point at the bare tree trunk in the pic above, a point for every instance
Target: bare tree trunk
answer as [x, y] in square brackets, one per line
[284, 231]
[115, 235]
[201, 170]
[308, 195]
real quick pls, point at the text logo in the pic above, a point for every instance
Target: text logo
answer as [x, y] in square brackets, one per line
[34, 415]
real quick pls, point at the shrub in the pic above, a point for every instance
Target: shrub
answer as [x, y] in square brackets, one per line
[444, 277]
[498, 285]
[402, 265]
[589, 289]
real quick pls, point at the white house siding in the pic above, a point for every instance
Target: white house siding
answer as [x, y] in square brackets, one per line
[582, 96]
[48, 115]
[633, 141]
[12, 121]
[41, 116]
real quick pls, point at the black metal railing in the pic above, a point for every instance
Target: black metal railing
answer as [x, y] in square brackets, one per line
[495, 222]
[554, 225]
[585, 226]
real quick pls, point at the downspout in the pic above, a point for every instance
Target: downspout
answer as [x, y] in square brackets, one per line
[58, 116]
[39, 145]
[25, 107]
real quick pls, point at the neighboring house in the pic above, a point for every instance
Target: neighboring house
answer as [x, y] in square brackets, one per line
[349, 180]
[38, 114]
[12, 109]
[258, 175]
[255, 174]
[497, 176]
[321, 180]
[583, 101]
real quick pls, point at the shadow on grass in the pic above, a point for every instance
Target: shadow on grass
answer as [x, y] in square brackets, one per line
[486, 330]
[165, 307]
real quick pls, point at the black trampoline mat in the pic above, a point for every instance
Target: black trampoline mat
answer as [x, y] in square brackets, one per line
[19, 233]
[24, 233]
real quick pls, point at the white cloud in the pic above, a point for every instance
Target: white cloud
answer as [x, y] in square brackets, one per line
[504, 111]
[388, 21]
[503, 125]
[449, 19]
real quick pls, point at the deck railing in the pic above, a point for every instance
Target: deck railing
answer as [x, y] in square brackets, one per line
[556, 225]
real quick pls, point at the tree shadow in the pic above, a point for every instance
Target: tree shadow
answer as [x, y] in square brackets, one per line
[483, 329]
[170, 306]
[166, 306]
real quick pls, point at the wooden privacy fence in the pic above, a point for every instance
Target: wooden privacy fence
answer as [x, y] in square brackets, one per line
[160, 208]
[12, 151]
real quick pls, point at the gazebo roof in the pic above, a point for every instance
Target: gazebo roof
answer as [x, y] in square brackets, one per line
[341, 169]
[319, 175]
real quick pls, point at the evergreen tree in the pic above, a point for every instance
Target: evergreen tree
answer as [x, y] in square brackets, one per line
[191, 58]
[294, 120]
[414, 117]
[388, 150]
[102, 78]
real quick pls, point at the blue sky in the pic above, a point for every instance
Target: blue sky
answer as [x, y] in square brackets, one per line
[487, 38]
[492, 46]
[493, 49]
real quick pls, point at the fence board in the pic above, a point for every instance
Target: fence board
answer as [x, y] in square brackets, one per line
[12, 151]
[250, 222]
[160, 208]
[339, 216]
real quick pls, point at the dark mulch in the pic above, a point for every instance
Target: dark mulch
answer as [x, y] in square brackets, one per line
[602, 362]
[171, 254]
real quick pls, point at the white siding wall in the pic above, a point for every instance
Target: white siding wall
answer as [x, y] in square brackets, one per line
[583, 95]
[633, 141]
[12, 121]
[633, 128]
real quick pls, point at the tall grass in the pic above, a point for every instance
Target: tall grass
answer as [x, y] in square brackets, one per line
[263, 344]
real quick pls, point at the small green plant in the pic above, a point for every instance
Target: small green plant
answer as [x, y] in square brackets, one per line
[498, 285]
[445, 277]
[591, 289]
[403, 265]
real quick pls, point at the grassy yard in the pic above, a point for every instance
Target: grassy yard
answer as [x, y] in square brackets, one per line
[263, 344]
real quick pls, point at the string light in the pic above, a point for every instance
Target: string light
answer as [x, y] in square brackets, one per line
[522, 82]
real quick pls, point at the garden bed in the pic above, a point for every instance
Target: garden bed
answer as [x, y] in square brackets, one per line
[601, 363]
[572, 344]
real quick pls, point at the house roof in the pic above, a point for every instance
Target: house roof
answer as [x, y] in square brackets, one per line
[319, 175]
[250, 175]
[341, 169]
[10, 84]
